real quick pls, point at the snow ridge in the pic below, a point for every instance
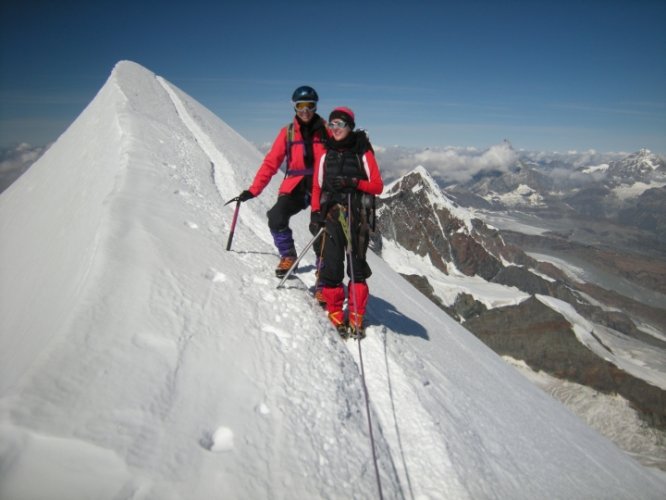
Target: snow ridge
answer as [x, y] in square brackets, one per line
[222, 170]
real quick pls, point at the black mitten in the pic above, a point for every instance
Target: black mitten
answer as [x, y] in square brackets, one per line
[316, 222]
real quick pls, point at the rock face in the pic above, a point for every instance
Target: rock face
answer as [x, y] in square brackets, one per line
[544, 339]
[415, 214]
[648, 271]
[647, 212]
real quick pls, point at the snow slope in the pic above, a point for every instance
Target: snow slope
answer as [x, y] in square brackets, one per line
[139, 360]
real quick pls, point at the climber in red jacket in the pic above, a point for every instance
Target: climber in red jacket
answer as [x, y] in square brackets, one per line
[301, 143]
[345, 180]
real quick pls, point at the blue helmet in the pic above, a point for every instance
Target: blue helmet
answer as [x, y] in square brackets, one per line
[305, 93]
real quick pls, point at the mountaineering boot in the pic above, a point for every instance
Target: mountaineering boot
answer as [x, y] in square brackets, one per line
[337, 319]
[356, 328]
[335, 297]
[284, 242]
[284, 265]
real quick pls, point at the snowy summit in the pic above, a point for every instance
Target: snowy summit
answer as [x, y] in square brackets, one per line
[140, 360]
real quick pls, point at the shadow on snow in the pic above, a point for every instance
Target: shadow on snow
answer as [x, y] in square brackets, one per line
[384, 313]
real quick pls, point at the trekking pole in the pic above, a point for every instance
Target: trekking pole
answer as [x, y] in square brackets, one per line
[319, 263]
[360, 352]
[233, 221]
[293, 266]
[350, 259]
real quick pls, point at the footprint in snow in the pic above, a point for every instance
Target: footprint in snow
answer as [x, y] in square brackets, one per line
[157, 344]
[282, 336]
[220, 441]
[260, 280]
[263, 409]
[216, 276]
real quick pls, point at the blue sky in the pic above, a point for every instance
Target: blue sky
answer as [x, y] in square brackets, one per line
[559, 75]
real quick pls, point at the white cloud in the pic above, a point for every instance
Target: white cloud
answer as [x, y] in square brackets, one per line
[15, 161]
[454, 164]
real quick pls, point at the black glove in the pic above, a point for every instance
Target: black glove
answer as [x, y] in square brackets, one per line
[245, 195]
[342, 183]
[316, 222]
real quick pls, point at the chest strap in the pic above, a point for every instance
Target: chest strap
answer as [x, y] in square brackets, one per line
[304, 171]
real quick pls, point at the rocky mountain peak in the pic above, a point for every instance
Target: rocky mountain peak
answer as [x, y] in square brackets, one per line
[425, 189]
[418, 216]
[642, 165]
[419, 178]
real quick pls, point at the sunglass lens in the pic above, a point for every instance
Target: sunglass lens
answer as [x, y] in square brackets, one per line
[302, 106]
[337, 124]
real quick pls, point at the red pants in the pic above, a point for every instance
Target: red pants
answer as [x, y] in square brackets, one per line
[356, 302]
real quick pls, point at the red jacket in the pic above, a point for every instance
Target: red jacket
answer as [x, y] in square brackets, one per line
[374, 184]
[277, 155]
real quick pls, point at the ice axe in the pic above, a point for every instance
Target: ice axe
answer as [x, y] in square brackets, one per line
[233, 221]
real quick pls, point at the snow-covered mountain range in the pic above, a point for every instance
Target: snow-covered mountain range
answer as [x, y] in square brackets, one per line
[627, 191]
[139, 360]
[529, 307]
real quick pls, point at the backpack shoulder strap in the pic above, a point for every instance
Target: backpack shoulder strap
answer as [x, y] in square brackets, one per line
[290, 141]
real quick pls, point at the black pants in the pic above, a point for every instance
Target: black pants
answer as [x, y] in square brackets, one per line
[286, 206]
[332, 248]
